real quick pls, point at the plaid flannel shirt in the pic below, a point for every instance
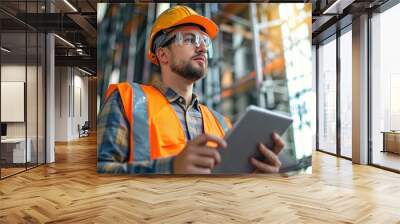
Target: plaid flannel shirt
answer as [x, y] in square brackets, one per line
[113, 134]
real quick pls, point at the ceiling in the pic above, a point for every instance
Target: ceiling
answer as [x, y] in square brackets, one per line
[72, 20]
[330, 15]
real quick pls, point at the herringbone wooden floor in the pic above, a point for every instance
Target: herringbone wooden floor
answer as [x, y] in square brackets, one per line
[70, 191]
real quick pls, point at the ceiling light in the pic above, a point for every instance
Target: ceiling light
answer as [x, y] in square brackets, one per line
[337, 7]
[86, 72]
[70, 5]
[65, 41]
[5, 50]
[332, 7]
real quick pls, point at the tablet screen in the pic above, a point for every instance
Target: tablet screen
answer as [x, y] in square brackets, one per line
[255, 126]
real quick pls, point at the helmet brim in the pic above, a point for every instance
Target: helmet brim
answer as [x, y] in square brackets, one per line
[210, 27]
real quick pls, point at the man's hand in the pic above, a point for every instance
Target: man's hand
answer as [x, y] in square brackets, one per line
[197, 157]
[271, 163]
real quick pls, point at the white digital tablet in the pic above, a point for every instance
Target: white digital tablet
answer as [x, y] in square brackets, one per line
[255, 126]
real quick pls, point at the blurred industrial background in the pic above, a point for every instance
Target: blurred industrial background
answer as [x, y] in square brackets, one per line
[261, 56]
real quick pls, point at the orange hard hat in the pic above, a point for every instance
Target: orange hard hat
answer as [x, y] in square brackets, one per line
[179, 15]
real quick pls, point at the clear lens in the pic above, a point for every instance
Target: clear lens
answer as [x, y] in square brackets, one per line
[193, 38]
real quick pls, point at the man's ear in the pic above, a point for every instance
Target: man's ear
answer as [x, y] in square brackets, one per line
[162, 55]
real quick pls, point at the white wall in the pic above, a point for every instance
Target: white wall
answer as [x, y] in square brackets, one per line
[70, 84]
[13, 73]
[79, 117]
[34, 125]
[61, 103]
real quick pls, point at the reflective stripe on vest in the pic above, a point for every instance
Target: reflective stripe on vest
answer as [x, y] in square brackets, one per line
[167, 137]
[157, 131]
[140, 124]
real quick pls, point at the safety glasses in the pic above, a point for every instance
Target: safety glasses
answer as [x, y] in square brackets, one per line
[193, 38]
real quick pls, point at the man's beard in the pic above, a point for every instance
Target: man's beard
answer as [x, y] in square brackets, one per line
[186, 70]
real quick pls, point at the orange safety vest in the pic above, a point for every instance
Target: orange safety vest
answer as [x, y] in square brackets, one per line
[155, 129]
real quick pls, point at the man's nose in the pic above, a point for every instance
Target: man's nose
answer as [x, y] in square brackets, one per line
[202, 48]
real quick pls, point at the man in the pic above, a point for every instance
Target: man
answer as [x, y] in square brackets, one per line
[163, 128]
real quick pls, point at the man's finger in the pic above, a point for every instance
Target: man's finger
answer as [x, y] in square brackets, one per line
[269, 155]
[278, 143]
[204, 138]
[204, 162]
[209, 152]
[263, 167]
[199, 170]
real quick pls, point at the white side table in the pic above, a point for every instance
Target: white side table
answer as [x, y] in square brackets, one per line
[18, 145]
